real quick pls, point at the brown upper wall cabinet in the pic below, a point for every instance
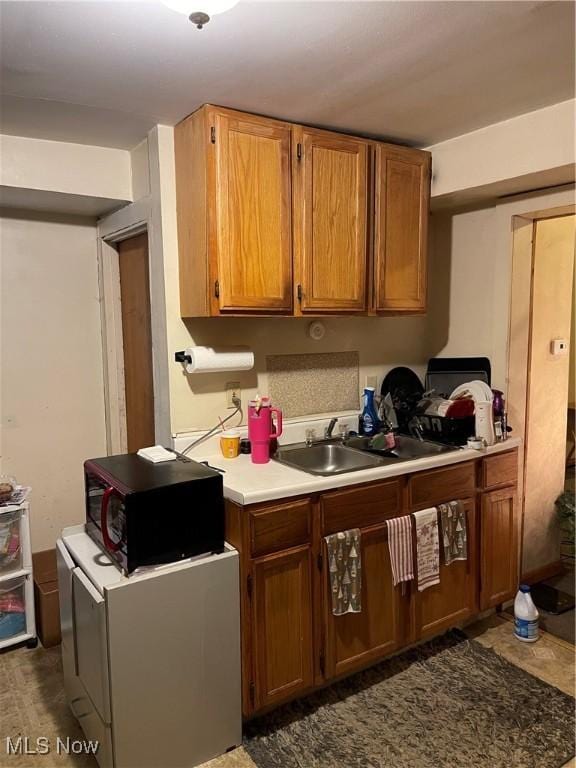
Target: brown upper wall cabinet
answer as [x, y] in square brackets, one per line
[330, 218]
[234, 205]
[402, 200]
[275, 219]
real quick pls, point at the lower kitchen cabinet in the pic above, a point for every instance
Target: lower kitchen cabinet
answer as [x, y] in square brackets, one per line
[455, 598]
[281, 597]
[292, 643]
[353, 640]
[498, 547]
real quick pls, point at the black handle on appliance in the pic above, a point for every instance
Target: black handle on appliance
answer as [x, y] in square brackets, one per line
[108, 543]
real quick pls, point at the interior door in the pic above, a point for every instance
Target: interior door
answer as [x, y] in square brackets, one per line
[253, 214]
[455, 599]
[401, 233]
[282, 625]
[498, 547]
[137, 341]
[332, 222]
[353, 640]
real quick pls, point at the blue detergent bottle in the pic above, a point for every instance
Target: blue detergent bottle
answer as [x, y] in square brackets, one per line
[369, 417]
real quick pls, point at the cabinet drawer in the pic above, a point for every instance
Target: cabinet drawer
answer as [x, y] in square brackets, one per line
[281, 527]
[360, 507]
[501, 469]
[439, 485]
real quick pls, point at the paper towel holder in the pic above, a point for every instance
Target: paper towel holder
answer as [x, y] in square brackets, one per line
[201, 359]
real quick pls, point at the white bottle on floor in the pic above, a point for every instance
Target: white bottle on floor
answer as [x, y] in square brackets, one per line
[525, 616]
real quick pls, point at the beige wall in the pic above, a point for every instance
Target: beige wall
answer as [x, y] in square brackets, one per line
[51, 406]
[529, 151]
[474, 250]
[66, 168]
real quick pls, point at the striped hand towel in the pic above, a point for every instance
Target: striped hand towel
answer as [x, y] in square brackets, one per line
[427, 548]
[400, 547]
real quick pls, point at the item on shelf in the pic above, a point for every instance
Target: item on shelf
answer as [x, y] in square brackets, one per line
[10, 549]
[134, 509]
[404, 389]
[209, 360]
[369, 421]
[260, 426]
[7, 488]
[525, 616]
[46, 598]
[444, 374]
[230, 444]
[18, 496]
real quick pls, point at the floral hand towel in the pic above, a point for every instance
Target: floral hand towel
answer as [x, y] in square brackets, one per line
[345, 568]
[427, 548]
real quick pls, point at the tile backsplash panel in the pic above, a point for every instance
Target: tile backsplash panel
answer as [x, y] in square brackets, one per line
[314, 383]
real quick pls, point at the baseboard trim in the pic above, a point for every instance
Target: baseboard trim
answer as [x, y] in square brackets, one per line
[544, 572]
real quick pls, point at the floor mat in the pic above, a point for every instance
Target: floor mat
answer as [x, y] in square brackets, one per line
[448, 703]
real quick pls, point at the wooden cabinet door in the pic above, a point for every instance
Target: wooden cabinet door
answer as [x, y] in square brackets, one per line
[401, 233]
[331, 220]
[283, 654]
[498, 547]
[353, 640]
[253, 214]
[455, 599]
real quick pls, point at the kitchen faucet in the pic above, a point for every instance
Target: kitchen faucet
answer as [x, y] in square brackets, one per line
[330, 428]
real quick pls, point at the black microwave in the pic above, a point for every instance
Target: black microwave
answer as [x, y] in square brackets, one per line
[144, 514]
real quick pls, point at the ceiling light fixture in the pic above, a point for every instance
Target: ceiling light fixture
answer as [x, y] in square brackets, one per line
[200, 11]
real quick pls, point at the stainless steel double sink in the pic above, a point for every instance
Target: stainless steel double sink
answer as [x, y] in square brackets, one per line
[334, 456]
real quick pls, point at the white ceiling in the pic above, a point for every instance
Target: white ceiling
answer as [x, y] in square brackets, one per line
[104, 72]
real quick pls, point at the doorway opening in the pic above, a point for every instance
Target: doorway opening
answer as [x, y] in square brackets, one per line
[539, 397]
[136, 341]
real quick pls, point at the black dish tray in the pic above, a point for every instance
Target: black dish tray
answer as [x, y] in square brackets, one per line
[444, 430]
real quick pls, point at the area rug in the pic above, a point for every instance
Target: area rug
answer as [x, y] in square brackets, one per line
[450, 703]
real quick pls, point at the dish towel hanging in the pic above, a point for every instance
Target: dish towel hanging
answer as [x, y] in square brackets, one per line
[345, 569]
[454, 539]
[400, 548]
[427, 548]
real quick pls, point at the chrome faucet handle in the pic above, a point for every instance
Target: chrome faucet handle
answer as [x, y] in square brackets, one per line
[310, 436]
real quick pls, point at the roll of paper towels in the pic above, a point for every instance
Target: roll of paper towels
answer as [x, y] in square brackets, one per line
[210, 360]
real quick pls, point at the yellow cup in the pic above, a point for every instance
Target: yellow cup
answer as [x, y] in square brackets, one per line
[230, 444]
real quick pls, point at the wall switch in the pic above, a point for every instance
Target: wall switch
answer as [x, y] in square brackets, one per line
[232, 390]
[372, 381]
[559, 346]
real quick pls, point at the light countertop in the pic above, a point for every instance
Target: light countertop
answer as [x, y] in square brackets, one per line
[247, 483]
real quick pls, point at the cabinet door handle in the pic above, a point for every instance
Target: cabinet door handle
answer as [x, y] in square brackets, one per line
[299, 293]
[299, 151]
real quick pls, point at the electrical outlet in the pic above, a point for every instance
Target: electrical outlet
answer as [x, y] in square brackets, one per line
[372, 381]
[232, 390]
